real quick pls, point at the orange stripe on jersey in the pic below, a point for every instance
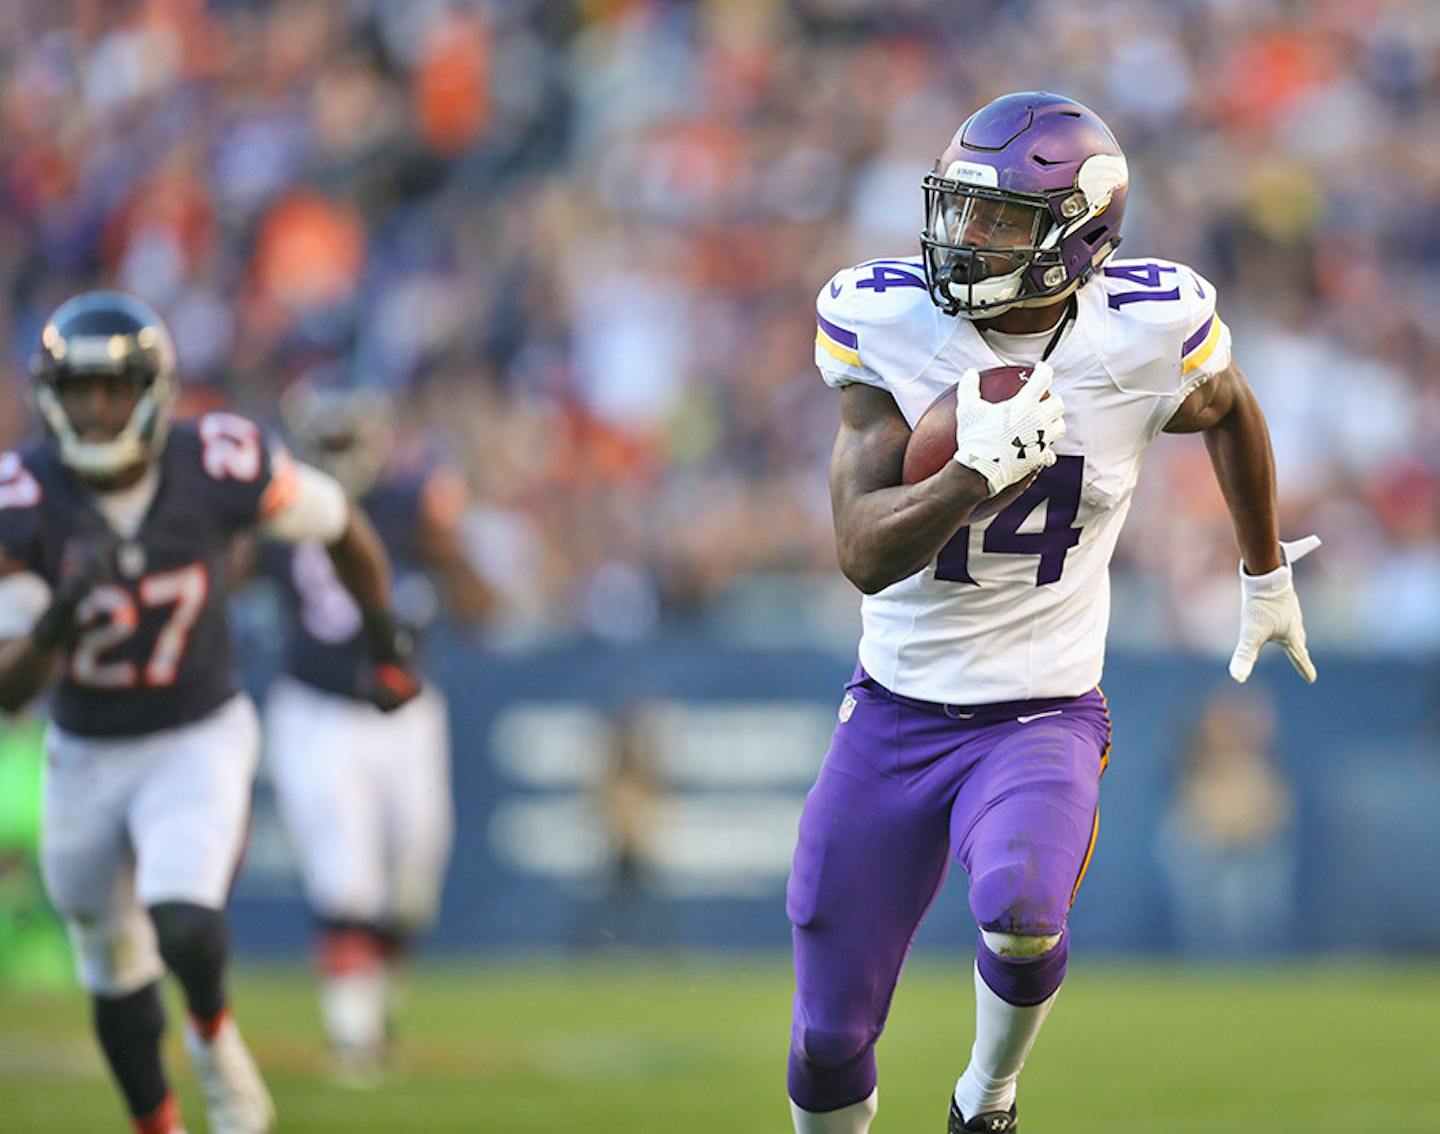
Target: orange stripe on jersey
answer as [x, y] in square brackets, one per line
[1089, 852]
[284, 485]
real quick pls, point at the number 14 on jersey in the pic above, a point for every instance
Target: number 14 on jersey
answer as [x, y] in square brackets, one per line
[1058, 488]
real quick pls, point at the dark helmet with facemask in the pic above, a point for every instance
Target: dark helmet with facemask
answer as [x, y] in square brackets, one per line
[115, 336]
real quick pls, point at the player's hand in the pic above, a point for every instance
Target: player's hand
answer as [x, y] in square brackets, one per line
[86, 561]
[393, 679]
[1007, 441]
[1270, 612]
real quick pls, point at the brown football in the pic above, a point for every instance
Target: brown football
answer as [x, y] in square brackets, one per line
[932, 441]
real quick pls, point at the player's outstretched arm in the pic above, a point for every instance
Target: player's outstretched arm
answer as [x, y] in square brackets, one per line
[1226, 410]
[364, 568]
[317, 509]
[886, 531]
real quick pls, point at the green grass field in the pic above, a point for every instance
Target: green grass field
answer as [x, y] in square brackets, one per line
[654, 1046]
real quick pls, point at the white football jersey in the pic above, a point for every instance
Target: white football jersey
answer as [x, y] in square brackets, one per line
[1017, 607]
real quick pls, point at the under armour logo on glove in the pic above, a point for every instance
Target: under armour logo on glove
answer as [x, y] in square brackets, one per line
[1021, 447]
[1009, 440]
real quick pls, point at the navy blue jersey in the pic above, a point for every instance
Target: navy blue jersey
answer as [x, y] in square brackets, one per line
[153, 648]
[325, 649]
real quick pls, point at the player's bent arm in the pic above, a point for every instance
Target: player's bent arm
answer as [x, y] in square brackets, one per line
[886, 531]
[319, 510]
[29, 658]
[1226, 410]
[26, 668]
[361, 563]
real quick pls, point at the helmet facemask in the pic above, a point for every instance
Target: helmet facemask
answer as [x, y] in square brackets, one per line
[988, 249]
[980, 242]
[345, 432]
[144, 357]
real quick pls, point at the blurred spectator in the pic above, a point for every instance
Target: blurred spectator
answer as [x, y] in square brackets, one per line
[581, 241]
[621, 908]
[1226, 846]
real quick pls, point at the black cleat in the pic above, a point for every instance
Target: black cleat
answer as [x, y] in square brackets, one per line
[991, 1122]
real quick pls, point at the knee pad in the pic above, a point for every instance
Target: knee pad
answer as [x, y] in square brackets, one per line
[190, 935]
[831, 1069]
[1022, 969]
[1019, 946]
[831, 1048]
[1019, 899]
[115, 956]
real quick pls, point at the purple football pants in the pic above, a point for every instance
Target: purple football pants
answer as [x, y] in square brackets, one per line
[1009, 790]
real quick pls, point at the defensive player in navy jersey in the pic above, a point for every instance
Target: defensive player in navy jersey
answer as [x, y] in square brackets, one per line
[366, 796]
[115, 533]
[974, 731]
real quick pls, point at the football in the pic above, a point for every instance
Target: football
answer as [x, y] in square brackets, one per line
[932, 441]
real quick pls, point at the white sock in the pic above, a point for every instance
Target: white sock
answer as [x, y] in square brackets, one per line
[852, 1119]
[1004, 1034]
[353, 1008]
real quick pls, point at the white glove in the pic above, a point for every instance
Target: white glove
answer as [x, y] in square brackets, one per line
[1270, 611]
[1007, 441]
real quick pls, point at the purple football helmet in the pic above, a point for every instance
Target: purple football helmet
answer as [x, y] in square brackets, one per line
[1022, 207]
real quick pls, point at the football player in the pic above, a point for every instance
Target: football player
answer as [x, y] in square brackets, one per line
[974, 730]
[114, 537]
[366, 796]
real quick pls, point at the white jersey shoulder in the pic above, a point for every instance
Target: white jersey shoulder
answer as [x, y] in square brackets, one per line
[1161, 334]
[875, 323]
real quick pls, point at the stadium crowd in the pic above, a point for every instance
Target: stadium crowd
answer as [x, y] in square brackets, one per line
[579, 243]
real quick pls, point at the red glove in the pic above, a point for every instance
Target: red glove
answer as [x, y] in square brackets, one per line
[393, 679]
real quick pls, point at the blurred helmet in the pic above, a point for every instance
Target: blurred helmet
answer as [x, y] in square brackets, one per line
[1022, 207]
[346, 432]
[111, 335]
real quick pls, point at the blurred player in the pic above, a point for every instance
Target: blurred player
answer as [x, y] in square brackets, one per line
[366, 797]
[974, 729]
[114, 538]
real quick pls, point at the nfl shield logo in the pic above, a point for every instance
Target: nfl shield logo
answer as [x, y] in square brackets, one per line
[130, 558]
[847, 707]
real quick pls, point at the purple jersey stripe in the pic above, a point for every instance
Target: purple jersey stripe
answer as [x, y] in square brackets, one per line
[1198, 337]
[839, 334]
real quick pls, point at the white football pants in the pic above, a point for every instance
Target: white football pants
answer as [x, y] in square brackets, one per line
[366, 798]
[132, 821]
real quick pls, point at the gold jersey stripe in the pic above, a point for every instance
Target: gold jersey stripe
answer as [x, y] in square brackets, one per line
[1198, 356]
[835, 350]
